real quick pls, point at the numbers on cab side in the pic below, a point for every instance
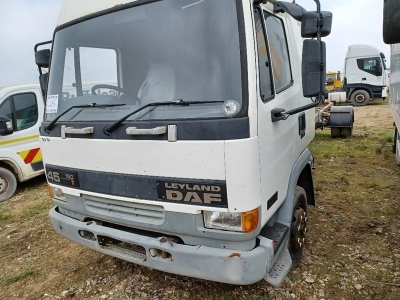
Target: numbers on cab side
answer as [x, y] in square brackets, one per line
[54, 176]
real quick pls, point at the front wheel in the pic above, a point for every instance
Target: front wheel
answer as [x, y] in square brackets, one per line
[360, 98]
[8, 184]
[397, 146]
[299, 226]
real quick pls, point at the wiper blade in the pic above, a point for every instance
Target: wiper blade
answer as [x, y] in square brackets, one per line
[52, 123]
[108, 129]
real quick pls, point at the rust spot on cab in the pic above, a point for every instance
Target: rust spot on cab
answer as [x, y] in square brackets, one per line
[235, 255]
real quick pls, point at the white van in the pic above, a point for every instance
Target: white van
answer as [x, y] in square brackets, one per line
[20, 155]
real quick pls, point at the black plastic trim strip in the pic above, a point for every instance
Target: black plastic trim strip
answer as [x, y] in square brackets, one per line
[188, 130]
[37, 166]
[133, 186]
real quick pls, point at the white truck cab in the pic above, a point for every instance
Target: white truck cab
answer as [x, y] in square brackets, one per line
[365, 75]
[197, 163]
[21, 107]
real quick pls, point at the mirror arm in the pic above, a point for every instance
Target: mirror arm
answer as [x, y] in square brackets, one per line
[279, 114]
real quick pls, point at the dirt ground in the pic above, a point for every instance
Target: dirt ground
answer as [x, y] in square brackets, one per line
[352, 248]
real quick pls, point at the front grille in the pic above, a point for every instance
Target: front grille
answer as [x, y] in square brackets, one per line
[139, 212]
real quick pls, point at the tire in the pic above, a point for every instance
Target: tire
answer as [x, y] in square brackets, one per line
[360, 98]
[8, 184]
[335, 132]
[298, 228]
[397, 145]
[347, 132]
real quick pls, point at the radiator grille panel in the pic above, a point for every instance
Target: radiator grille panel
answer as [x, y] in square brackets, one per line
[139, 212]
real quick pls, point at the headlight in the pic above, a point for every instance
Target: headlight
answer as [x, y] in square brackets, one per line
[56, 193]
[240, 222]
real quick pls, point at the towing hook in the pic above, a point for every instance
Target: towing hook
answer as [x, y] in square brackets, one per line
[164, 240]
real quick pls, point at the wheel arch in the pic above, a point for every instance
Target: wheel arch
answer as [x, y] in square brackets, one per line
[306, 182]
[12, 167]
[301, 175]
[356, 88]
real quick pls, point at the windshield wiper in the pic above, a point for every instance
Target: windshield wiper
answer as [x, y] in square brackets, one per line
[52, 123]
[108, 129]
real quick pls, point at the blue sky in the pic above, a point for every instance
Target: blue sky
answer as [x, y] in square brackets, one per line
[23, 23]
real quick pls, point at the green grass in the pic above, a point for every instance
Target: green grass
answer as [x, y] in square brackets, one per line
[20, 275]
[5, 213]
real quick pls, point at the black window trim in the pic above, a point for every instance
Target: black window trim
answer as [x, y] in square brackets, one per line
[12, 105]
[242, 43]
[264, 28]
[290, 84]
[372, 72]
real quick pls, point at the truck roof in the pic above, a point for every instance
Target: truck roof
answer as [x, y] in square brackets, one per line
[7, 89]
[362, 50]
[74, 9]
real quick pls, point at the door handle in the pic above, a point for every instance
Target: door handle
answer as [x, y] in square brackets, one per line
[72, 130]
[151, 131]
[277, 114]
[364, 78]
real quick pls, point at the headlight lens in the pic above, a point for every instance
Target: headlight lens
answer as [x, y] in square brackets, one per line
[240, 222]
[56, 193]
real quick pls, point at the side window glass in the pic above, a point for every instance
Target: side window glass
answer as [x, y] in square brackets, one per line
[371, 65]
[279, 52]
[26, 111]
[98, 66]
[263, 61]
[5, 108]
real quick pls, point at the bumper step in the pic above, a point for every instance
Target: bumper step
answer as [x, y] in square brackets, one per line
[280, 268]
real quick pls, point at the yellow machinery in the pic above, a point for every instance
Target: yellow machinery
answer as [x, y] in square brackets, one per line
[333, 80]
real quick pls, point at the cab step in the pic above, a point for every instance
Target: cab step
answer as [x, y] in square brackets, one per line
[280, 268]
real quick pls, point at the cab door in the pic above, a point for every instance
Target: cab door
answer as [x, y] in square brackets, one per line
[277, 139]
[22, 146]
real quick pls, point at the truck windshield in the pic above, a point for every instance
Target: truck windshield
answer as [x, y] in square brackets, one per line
[161, 51]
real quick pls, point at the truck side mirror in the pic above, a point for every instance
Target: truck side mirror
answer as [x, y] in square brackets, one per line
[313, 68]
[309, 24]
[42, 58]
[6, 127]
[391, 22]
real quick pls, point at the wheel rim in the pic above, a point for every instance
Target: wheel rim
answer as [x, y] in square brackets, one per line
[299, 228]
[360, 98]
[3, 185]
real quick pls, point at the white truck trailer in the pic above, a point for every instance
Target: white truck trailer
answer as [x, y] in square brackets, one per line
[199, 164]
[391, 35]
[21, 110]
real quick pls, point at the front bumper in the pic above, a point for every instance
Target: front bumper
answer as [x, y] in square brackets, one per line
[221, 265]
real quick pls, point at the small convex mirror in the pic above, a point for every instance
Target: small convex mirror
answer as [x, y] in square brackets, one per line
[309, 24]
[42, 58]
[5, 126]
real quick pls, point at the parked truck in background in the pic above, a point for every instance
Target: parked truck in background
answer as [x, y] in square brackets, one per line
[199, 164]
[365, 75]
[391, 35]
[21, 109]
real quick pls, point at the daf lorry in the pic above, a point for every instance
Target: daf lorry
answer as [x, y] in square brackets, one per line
[198, 164]
[391, 35]
[21, 109]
